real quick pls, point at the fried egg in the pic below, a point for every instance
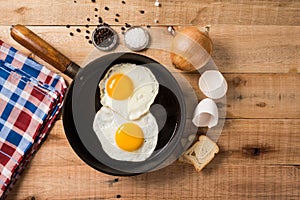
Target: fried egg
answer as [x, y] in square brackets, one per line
[123, 139]
[129, 90]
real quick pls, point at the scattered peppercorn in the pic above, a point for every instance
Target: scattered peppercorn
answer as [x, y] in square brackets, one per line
[118, 196]
[104, 40]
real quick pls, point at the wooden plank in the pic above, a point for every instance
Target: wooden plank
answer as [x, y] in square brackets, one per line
[178, 181]
[258, 95]
[247, 12]
[253, 49]
[252, 141]
[57, 173]
[263, 96]
[260, 141]
[249, 95]
[256, 49]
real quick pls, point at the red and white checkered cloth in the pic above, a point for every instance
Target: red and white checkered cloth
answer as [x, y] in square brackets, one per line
[31, 97]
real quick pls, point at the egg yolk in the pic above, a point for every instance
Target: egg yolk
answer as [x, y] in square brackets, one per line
[129, 137]
[119, 87]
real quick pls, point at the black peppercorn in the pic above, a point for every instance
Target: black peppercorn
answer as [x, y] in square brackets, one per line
[105, 38]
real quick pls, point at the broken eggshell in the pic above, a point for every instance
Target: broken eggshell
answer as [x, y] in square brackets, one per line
[206, 114]
[213, 84]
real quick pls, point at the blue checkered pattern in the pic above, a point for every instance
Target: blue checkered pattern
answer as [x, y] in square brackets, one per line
[31, 97]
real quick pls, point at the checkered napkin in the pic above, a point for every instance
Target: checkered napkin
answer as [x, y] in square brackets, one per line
[31, 96]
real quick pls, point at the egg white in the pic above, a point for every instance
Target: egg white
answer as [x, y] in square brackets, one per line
[145, 90]
[105, 125]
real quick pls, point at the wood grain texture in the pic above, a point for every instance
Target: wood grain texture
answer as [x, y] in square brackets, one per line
[256, 47]
[40, 47]
[258, 95]
[253, 49]
[57, 173]
[263, 96]
[177, 12]
[178, 181]
[255, 141]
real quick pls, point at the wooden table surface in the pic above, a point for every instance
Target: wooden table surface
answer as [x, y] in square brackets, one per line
[257, 48]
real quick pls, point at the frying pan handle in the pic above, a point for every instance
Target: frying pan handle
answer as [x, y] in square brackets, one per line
[42, 49]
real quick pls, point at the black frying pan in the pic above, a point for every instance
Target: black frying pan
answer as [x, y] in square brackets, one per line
[83, 101]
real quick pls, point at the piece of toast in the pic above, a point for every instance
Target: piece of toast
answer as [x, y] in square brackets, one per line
[201, 153]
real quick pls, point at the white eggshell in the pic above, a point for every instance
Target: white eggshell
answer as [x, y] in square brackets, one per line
[206, 114]
[213, 84]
